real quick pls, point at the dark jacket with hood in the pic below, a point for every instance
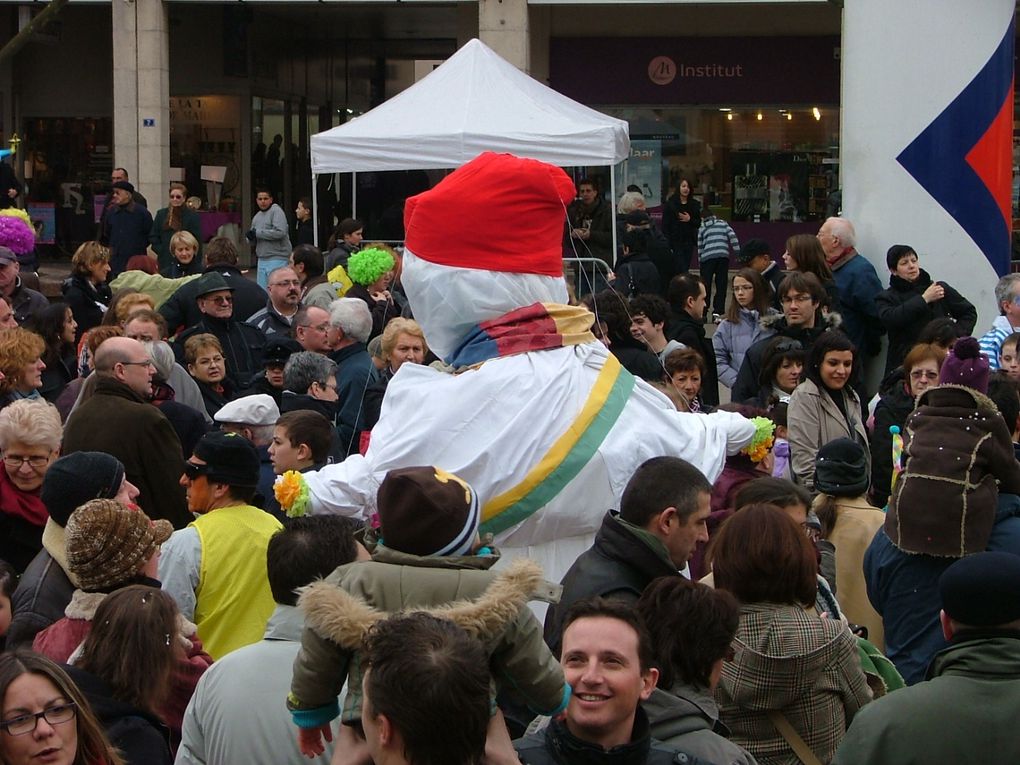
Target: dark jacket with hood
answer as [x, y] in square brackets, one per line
[894, 404]
[688, 718]
[903, 312]
[683, 327]
[636, 274]
[623, 561]
[748, 382]
[140, 736]
[84, 298]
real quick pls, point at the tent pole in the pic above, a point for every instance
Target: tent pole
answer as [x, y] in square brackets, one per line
[354, 195]
[315, 209]
[612, 206]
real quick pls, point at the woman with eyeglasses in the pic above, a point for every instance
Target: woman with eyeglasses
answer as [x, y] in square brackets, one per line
[44, 717]
[203, 355]
[30, 434]
[691, 627]
[125, 669]
[741, 328]
[176, 216]
[920, 371]
[824, 406]
[791, 669]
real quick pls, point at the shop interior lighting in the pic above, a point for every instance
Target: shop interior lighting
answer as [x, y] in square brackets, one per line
[817, 113]
[760, 116]
[729, 116]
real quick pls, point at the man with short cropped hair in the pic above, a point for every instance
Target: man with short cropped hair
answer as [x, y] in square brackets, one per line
[311, 328]
[216, 567]
[1007, 300]
[446, 670]
[662, 517]
[234, 715]
[607, 661]
[284, 299]
[300, 442]
[120, 421]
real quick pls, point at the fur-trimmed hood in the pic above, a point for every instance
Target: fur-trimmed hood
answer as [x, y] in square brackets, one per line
[950, 394]
[777, 322]
[345, 619]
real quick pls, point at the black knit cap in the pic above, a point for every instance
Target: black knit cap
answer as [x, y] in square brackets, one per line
[752, 249]
[124, 186]
[841, 468]
[229, 459]
[279, 349]
[982, 590]
[76, 478]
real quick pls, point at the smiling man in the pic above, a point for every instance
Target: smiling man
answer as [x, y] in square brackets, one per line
[216, 567]
[607, 661]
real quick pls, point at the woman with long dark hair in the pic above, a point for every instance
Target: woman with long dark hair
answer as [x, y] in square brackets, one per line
[825, 406]
[805, 254]
[62, 725]
[681, 218]
[125, 669]
[55, 324]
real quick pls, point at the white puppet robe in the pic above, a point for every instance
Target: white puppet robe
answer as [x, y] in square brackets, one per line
[492, 424]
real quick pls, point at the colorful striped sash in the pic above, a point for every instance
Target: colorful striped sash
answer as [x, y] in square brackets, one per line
[568, 455]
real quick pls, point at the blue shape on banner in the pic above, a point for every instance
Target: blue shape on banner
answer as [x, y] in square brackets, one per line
[947, 161]
[148, 122]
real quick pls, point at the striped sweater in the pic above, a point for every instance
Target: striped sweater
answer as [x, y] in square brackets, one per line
[716, 239]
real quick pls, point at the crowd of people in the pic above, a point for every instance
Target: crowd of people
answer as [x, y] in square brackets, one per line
[321, 514]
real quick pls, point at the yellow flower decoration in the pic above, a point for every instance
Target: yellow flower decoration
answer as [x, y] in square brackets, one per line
[291, 492]
[762, 440]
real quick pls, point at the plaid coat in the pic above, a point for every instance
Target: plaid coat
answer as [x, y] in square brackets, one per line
[788, 660]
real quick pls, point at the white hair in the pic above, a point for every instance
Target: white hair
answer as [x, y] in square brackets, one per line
[843, 230]
[351, 315]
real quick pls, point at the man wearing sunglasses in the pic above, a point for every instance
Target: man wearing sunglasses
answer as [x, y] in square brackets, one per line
[242, 344]
[216, 567]
[120, 421]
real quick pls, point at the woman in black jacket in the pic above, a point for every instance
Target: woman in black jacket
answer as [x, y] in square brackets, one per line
[913, 300]
[86, 291]
[55, 324]
[681, 217]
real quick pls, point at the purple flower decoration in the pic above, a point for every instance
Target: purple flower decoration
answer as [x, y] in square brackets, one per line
[17, 235]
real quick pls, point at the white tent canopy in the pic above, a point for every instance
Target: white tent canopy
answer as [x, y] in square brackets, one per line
[474, 102]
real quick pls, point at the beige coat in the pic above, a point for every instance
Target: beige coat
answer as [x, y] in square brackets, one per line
[814, 420]
[856, 524]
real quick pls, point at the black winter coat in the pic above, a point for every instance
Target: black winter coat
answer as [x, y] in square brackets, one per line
[903, 312]
[636, 275]
[82, 296]
[893, 407]
[683, 327]
[181, 309]
[619, 565]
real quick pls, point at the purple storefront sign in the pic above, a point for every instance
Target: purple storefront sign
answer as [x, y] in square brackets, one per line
[720, 71]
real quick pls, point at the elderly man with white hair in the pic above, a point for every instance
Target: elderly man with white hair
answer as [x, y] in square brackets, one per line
[857, 283]
[540, 418]
[350, 324]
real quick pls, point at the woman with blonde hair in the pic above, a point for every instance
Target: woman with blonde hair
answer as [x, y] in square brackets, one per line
[184, 256]
[86, 291]
[173, 218]
[30, 435]
[63, 725]
[21, 365]
[403, 342]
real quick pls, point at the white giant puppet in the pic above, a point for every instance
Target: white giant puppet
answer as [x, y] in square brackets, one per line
[539, 417]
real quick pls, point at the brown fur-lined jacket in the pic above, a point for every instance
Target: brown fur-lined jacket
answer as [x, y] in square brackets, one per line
[490, 605]
[956, 448]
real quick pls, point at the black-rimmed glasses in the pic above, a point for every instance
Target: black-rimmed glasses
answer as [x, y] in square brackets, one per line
[23, 724]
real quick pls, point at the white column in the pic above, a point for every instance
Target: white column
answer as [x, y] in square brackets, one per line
[503, 26]
[141, 95]
[926, 139]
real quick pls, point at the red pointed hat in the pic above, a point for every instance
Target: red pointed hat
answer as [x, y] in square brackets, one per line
[496, 213]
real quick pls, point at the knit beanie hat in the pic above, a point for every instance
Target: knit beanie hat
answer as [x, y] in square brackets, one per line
[229, 458]
[841, 469]
[982, 590]
[966, 365]
[426, 511]
[495, 192]
[107, 543]
[78, 477]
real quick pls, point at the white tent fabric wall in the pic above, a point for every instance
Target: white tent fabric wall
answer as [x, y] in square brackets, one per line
[474, 101]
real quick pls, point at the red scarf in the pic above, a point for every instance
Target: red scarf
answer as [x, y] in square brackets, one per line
[20, 504]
